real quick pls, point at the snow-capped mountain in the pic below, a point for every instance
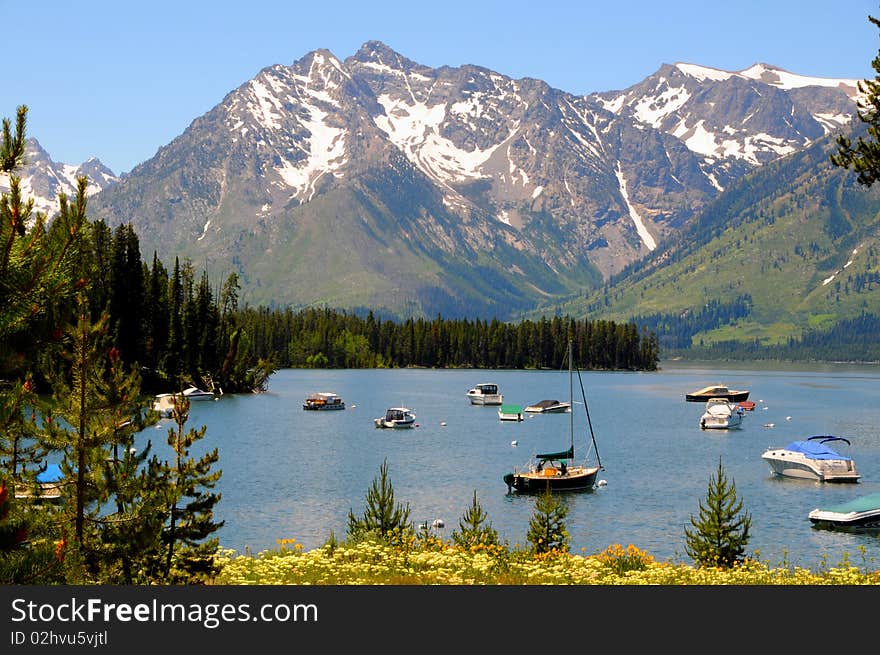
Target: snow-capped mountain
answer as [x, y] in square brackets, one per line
[376, 181]
[754, 116]
[43, 179]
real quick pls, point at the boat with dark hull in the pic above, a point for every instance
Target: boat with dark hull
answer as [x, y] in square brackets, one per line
[557, 471]
[860, 514]
[323, 401]
[716, 391]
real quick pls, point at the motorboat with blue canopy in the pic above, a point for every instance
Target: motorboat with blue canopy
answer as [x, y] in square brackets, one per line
[48, 483]
[813, 458]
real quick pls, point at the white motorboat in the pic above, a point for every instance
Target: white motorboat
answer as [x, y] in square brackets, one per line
[856, 515]
[721, 414]
[485, 393]
[508, 412]
[396, 417]
[813, 459]
[548, 407]
[164, 404]
[193, 393]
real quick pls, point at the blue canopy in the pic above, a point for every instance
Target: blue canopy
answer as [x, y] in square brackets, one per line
[51, 474]
[815, 450]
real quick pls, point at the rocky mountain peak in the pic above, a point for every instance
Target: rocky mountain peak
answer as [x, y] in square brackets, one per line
[381, 180]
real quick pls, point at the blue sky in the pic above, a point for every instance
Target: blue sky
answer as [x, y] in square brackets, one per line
[118, 80]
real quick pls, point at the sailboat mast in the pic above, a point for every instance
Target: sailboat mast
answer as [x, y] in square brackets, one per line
[570, 401]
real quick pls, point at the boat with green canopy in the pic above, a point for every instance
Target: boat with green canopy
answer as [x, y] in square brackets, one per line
[858, 514]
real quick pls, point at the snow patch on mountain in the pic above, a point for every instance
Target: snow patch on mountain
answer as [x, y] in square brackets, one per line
[415, 129]
[704, 73]
[785, 80]
[653, 110]
[42, 179]
[646, 237]
[832, 122]
[267, 109]
[325, 153]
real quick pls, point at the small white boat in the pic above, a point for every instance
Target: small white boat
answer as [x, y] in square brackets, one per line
[721, 414]
[193, 393]
[396, 417]
[485, 393]
[812, 459]
[323, 400]
[857, 515]
[164, 404]
[510, 412]
[548, 407]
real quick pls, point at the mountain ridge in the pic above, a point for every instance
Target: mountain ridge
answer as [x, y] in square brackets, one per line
[408, 187]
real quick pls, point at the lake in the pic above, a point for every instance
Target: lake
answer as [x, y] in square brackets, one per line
[290, 473]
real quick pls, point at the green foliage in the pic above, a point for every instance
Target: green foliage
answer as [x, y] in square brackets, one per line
[189, 551]
[36, 263]
[26, 557]
[720, 535]
[382, 517]
[76, 428]
[325, 338]
[130, 525]
[111, 510]
[864, 157]
[547, 531]
[20, 451]
[474, 529]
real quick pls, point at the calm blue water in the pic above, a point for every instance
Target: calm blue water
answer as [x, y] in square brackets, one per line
[288, 473]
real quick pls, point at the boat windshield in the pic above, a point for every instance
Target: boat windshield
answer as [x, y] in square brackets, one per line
[814, 450]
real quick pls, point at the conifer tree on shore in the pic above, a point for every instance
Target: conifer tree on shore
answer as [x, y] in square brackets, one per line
[189, 547]
[720, 534]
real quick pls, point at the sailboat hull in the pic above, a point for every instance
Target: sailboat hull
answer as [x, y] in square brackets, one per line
[555, 471]
[540, 480]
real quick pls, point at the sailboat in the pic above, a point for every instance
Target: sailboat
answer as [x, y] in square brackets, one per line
[556, 471]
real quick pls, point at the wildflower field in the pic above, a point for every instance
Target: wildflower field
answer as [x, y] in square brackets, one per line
[434, 562]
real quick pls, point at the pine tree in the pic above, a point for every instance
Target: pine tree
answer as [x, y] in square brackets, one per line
[720, 535]
[382, 518]
[96, 413]
[547, 530]
[131, 523]
[189, 550]
[126, 302]
[173, 356]
[36, 263]
[474, 529]
[864, 157]
[35, 273]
